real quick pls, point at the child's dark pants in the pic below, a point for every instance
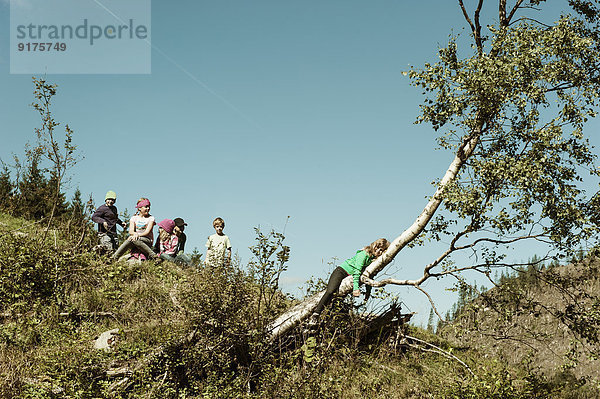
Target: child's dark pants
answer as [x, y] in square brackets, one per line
[332, 286]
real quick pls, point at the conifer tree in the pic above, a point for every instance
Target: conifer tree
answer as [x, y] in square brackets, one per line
[76, 207]
[32, 199]
[6, 188]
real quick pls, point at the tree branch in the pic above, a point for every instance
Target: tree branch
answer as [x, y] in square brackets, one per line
[431, 302]
[440, 351]
[478, 39]
[475, 26]
[296, 314]
[513, 11]
[466, 15]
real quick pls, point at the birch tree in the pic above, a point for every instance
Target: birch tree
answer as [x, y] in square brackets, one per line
[510, 100]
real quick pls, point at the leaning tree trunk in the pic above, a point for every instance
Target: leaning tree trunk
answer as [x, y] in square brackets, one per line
[298, 313]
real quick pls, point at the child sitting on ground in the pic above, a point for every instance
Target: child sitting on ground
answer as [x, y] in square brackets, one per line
[171, 241]
[180, 256]
[179, 228]
[218, 246]
[140, 233]
[167, 240]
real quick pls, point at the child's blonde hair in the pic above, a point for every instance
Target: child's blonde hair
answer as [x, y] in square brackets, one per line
[372, 248]
[163, 234]
[219, 221]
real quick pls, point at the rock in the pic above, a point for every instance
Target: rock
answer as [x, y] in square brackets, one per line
[106, 340]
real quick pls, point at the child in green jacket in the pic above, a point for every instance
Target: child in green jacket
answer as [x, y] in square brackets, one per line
[353, 266]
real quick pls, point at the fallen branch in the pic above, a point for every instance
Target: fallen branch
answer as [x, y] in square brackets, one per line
[437, 350]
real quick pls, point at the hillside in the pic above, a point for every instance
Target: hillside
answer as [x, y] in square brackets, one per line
[198, 333]
[545, 321]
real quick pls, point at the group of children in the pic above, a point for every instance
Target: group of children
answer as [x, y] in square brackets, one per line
[170, 243]
[171, 240]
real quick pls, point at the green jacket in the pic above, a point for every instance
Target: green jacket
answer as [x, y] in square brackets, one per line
[356, 265]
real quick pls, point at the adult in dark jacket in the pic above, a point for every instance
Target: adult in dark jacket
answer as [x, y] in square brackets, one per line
[107, 218]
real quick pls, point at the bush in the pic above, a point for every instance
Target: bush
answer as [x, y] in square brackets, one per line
[29, 273]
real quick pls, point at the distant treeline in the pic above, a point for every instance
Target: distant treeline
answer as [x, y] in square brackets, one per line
[30, 192]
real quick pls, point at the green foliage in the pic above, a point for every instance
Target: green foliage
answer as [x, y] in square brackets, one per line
[308, 349]
[466, 294]
[29, 274]
[31, 200]
[522, 92]
[494, 383]
[186, 332]
[270, 258]
[37, 190]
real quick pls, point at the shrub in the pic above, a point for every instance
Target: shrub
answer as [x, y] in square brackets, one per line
[29, 273]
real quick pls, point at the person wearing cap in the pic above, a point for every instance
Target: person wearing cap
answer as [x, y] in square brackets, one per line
[180, 256]
[107, 218]
[179, 228]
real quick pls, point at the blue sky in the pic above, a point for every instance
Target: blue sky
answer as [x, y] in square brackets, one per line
[259, 110]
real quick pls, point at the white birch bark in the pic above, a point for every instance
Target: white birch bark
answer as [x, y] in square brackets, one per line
[298, 313]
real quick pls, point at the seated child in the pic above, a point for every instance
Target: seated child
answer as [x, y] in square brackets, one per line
[180, 256]
[167, 240]
[140, 233]
[171, 240]
[179, 228]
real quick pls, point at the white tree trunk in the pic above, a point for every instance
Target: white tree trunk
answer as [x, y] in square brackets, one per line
[298, 313]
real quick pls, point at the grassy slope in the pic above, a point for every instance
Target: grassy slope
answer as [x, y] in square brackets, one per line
[195, 333]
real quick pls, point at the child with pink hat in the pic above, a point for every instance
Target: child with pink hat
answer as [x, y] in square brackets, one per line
[168, 244]
[167, 240]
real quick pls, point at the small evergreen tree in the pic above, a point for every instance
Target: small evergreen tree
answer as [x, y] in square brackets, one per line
[125, 216]
[54, 196]
[31, 200]
[430, 324]
[76, 207]
[6, 188]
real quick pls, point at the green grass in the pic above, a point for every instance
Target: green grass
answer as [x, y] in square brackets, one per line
[12, 224]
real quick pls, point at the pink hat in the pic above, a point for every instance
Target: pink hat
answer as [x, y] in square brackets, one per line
[144, 202]
[168, 225]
